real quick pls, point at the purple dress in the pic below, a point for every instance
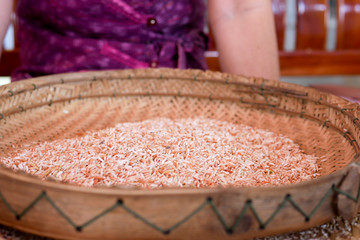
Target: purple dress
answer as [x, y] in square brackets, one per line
[57, 36]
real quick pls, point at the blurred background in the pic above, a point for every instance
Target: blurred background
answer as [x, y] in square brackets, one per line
[319, 43]
[332, 15]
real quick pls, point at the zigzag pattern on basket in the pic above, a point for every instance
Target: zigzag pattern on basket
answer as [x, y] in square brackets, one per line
[229, 229]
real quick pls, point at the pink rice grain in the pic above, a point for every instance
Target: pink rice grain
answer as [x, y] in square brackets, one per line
[161, 152]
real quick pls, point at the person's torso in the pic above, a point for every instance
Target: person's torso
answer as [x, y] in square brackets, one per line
[61, 36]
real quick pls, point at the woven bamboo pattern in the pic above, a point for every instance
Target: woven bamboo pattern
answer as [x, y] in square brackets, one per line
[68, 105]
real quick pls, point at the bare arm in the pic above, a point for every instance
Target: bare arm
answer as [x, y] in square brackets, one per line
[5, 12]
[244, 32]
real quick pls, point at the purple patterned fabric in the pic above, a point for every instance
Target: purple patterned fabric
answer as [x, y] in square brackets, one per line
[57, 36]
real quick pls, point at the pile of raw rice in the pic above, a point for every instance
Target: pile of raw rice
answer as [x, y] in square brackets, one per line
[170, 153]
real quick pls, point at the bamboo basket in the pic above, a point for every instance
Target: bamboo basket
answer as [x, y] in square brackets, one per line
[68, 105]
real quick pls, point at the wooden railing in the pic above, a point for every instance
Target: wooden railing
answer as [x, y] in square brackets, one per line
[310, 56]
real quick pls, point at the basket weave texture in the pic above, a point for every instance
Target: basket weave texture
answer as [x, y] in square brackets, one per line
[69, 105]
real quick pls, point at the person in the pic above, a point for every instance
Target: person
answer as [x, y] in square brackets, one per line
[68, 35]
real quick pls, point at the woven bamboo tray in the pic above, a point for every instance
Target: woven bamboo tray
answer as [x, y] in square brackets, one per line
[68, 105]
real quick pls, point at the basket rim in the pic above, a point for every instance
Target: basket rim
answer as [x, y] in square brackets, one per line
[65, 78]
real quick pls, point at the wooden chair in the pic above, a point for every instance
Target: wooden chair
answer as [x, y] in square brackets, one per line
[310, 56]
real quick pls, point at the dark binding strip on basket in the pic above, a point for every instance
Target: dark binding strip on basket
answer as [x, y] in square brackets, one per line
[263, 94]
[22, 109]
[349, 196]
[34, 86]
[262, 88]
[325, 123]
[166, 232]
[248, 206]
[352, 140]
[227, 79]
[11, 93]
[62, 81]
[2, 116]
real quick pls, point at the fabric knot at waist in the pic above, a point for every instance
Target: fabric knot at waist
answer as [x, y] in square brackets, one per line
[161, 52]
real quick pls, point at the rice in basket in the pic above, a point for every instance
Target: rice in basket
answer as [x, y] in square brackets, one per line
[157, 153]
